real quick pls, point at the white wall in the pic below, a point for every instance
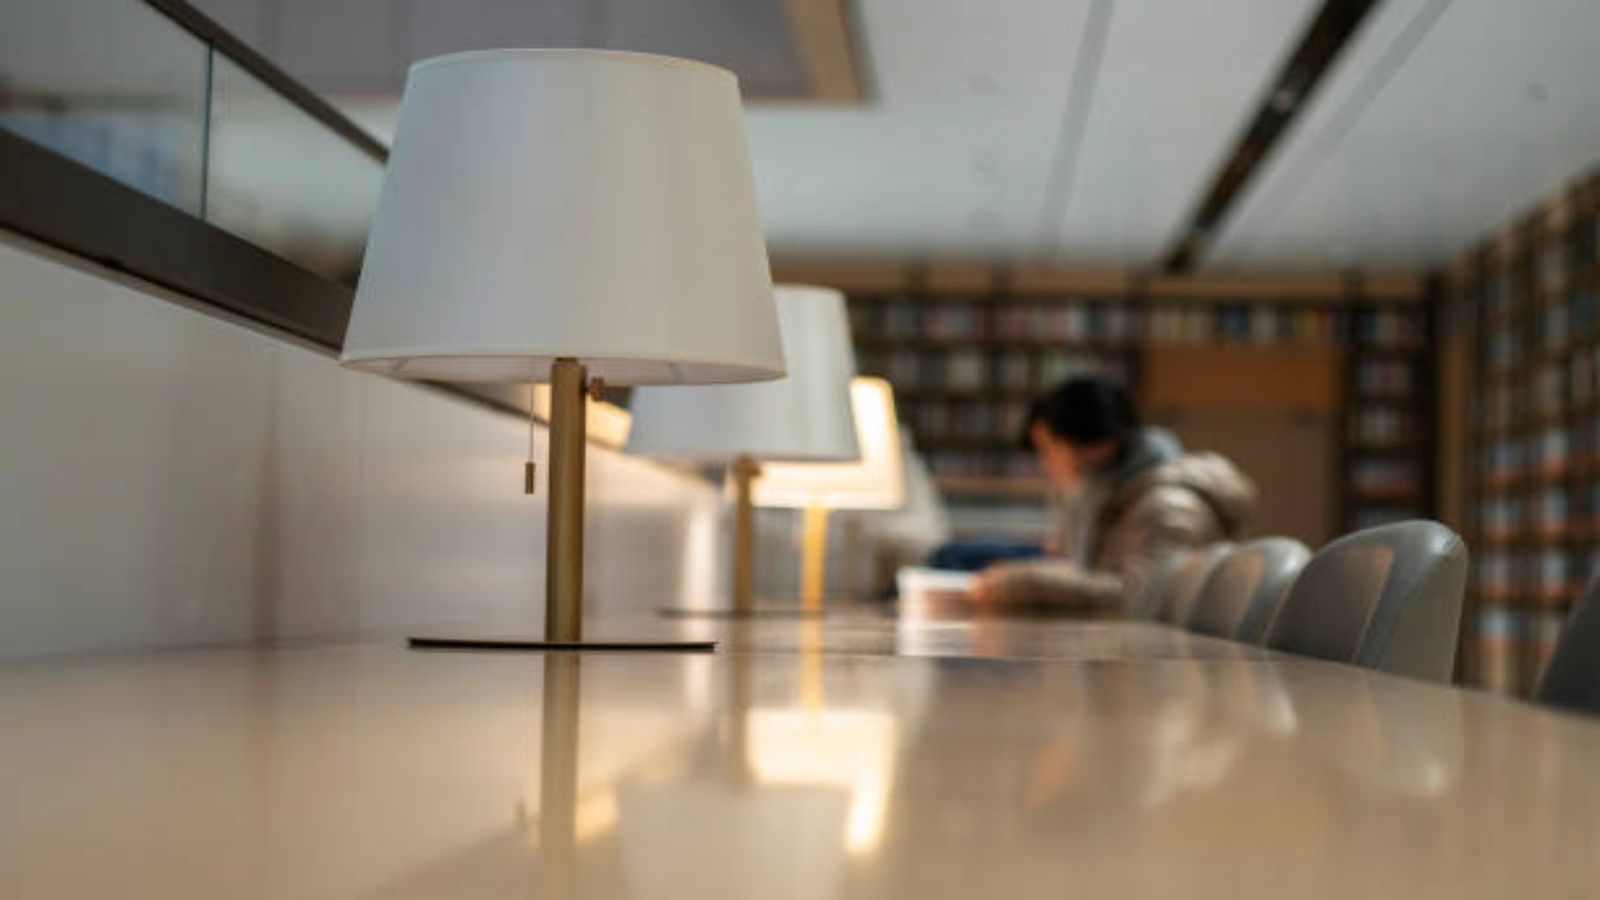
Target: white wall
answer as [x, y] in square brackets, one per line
[170, 479]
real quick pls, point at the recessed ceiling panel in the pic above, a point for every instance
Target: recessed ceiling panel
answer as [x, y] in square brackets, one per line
[1176, 85]
[1443, 121]
[950, 157]
[363, 47]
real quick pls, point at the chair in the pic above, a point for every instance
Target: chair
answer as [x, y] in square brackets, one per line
[1571, 680]
[1387, 598]
[1242, 595]
[1148, 594]
[1187, 581]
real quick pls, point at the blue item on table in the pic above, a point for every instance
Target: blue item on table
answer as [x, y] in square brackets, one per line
[973, 556]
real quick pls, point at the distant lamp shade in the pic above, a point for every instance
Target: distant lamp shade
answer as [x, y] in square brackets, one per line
[875, 481]
[805, 416]
[570, 216]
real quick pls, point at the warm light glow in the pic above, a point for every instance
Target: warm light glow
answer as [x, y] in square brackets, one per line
[850, 748]
[595, 816]
[877, 481]
[605, 423]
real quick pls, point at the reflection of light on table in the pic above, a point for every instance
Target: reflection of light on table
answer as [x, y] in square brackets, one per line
[593, 817]
[854, 749]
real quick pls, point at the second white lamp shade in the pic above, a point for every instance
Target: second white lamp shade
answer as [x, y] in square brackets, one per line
[805, 416]
[541, 204]
[874, 481]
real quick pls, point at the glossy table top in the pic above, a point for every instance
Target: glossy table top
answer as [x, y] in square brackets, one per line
[801, 760]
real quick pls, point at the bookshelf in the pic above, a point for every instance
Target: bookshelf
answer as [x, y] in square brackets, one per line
[966, 365]
[1527, 298]
[1388, 447]
[966, 360]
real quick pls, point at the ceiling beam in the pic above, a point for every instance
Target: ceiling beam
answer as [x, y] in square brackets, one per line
[1286, 97]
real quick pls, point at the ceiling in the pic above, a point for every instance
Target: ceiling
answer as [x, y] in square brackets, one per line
[1082, 132]
[1444, 121]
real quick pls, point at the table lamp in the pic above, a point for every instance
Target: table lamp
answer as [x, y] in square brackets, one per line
[875, 481]
[575, 217]
[804, 417]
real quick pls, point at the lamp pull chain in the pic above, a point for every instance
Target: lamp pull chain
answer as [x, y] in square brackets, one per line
[530, 469]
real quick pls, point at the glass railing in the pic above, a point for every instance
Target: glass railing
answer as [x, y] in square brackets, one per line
[151, 94]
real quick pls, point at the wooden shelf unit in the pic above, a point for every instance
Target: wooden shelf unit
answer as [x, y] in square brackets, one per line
[1533, 489]
[966, 359]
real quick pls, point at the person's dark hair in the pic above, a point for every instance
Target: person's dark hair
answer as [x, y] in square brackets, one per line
[1084, 409]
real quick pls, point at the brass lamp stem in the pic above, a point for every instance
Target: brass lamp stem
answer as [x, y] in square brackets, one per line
[563, 584]
[744, 471]
[813, 559]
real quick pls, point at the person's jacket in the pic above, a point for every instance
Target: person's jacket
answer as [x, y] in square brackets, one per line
[1111, 534]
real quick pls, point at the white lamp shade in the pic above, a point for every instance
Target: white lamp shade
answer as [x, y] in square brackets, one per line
[804, 416]
[875, 481]
[567, 203]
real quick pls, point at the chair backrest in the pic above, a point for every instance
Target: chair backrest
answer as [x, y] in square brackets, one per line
[1572, 678]
[1187, 581]
[1147, 592]
[1387, 598]
[1241, 597]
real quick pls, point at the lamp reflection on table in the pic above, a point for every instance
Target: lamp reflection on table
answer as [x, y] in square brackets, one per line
[790, 790]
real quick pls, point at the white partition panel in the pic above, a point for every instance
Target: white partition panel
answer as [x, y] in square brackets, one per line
[171, 479]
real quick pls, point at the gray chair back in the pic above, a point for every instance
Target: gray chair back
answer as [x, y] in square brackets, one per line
[1188, 580]
[1572, 678]
[1241, 597]
[1387, 598]
[1147, 592]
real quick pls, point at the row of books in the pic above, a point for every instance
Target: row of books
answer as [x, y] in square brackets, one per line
[1547, 453]
[977, 464]
[1372, 515]
[1551, 451]
[1071, 321]
[969, 420]
[1550, 269]
[1385, 426]
[984, 370]
[1547, 390]
[907, 318]
[1245, 324]
[1386, 476]
[1557, 259]
[1497, 407]
[1552, 326]
[1388, 377]
[1390, 328]
[1532, 576]
[1549, 513]
[1583, 376]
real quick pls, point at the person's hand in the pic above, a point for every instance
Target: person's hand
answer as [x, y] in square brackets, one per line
[985, 591]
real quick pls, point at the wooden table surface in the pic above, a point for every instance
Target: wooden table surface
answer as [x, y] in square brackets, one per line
[855, 757]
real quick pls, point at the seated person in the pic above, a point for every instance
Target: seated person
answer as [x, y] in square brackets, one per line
[1127, 495]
